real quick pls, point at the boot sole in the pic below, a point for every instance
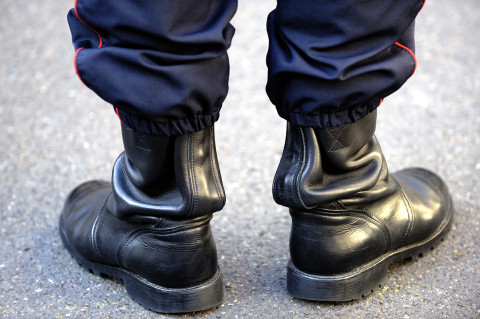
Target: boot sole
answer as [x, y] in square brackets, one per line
[362, 281]
[154, 297]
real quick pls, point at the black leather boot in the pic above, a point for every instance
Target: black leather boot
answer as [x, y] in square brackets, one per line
[150, 226]
[351, 219]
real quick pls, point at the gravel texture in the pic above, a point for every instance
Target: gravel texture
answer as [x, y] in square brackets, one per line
[56, 134]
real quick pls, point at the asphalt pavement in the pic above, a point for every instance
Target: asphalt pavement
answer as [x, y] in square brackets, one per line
[55, 134]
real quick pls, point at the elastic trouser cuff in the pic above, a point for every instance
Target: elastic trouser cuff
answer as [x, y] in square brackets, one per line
[168, 127]
[323, 120]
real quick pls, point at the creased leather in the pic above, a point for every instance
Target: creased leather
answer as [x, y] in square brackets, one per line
[153, 218]
[346, 208]
[189, 185]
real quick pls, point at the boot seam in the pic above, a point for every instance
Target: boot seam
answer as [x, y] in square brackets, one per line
[282, 160]
[336, 137]
[411, 219]
[191, 173]
[195, 183]
[301, 140]
[95, 228]
[215, 179]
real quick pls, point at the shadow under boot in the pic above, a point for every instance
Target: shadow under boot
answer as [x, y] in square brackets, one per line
[351, 219]
[150, 226]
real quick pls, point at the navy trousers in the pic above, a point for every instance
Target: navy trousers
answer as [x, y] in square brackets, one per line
[163, 64]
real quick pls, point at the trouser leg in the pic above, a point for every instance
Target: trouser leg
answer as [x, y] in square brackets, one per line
[332, 62]
[162, 64]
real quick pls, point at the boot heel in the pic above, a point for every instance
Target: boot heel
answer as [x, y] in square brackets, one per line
[168, 300]
[347, 287]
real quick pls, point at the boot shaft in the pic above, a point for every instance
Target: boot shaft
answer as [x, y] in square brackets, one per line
[167, 176]
[321, 166]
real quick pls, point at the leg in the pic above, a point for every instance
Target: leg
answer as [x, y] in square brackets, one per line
[331, 62]
[351, 218]
[161, 64]
[164, 67]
